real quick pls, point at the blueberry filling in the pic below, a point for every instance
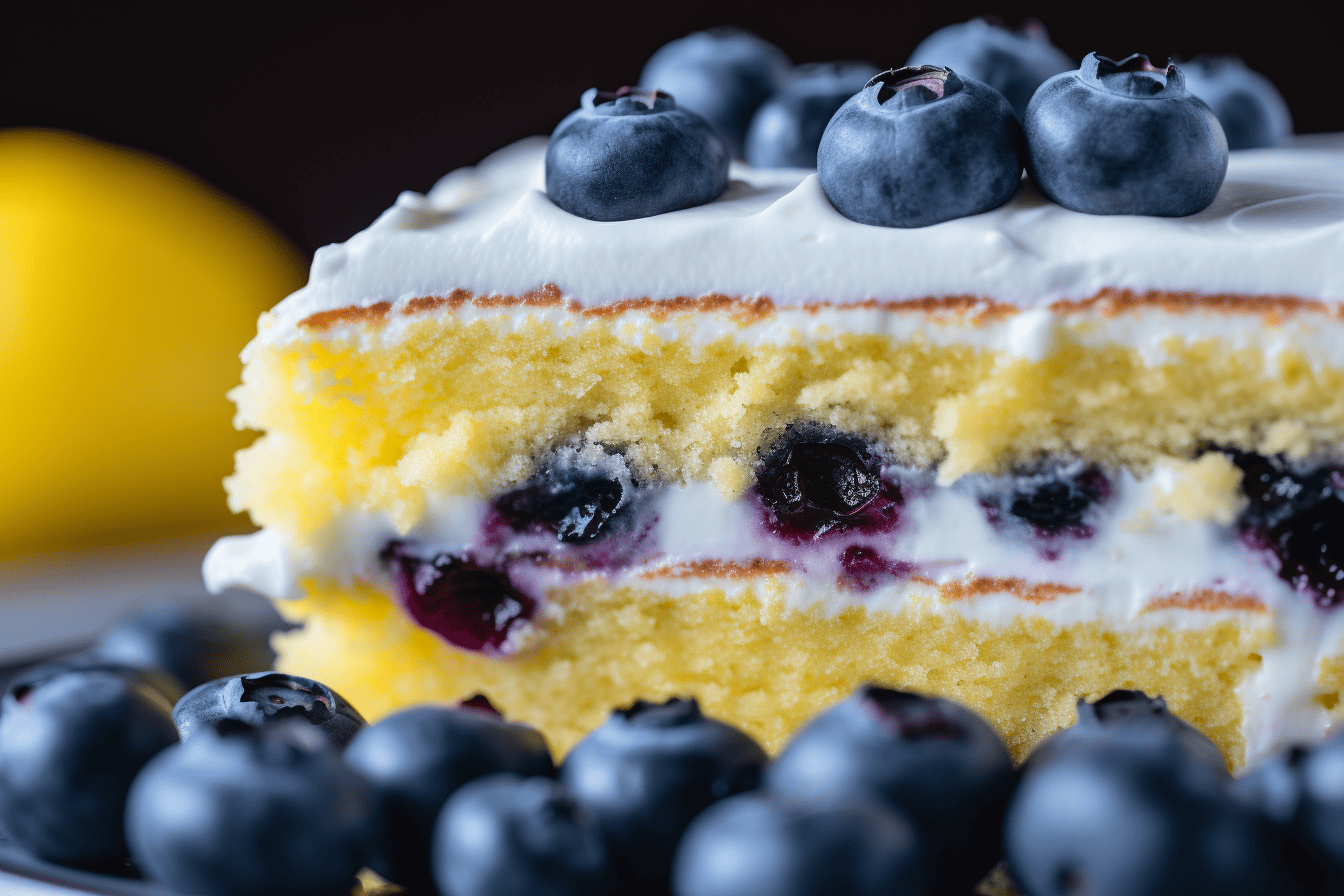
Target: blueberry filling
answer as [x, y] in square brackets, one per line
[825, 483]
[574, 504]
[1297, 518]
[863, 569]
[470, 605]
[1059, 506]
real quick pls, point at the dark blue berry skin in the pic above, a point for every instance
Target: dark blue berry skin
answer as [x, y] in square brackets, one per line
[242, 810]
[723, 75]
[818, 482]
[263, 698]
[647, 772]
[1124, 138]
[786, 131]
[918, 146]
[1014, 63]
[192, 642]
[1248, 105]
[937, 761]
[70, 745]
[417, 758]
[1296, 517]
[574, 504]
[633, 154]
[1101, 719]
[1132, 813]
[505, 835]
[753, 845]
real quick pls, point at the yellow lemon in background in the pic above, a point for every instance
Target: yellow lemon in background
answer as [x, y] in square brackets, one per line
[127, 289]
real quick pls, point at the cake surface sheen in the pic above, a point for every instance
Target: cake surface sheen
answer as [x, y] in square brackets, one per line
[477, 345]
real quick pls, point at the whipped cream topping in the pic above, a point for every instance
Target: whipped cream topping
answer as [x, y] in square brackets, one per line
[1276, 228]
[1135, 572]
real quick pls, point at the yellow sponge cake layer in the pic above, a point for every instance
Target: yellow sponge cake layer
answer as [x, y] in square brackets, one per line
[373, 416]
[753, 660]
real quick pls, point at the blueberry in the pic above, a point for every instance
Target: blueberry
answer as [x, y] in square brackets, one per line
[1102, 718]
[918, 146]
[504, 835]
[575, 504]
[1276, 788]
[196, 643]
[723, 74]
[647, 772]
[71, 742]
[258, 811]
[786, 130]
[633, 154]
[1014, 63]
[1124, 138]
[1249, 107]
[937, 761]
[468, 604]
[816, 482]
[417, 758]
[1297, 518]
[752, 845]
[263, 698]
[1130, 812]
[1057, 502]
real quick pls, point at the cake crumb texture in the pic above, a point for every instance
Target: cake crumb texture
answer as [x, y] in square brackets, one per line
[764, 667]
[361, 418]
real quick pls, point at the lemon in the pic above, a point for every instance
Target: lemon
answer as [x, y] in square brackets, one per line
[127, 289]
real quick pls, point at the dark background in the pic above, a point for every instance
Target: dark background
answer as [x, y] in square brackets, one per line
[318, 114]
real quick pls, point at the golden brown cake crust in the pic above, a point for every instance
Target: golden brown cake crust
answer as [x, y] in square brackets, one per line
[1109, 302]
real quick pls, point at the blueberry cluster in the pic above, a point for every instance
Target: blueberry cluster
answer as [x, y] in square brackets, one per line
[887, 792]
[941, 138]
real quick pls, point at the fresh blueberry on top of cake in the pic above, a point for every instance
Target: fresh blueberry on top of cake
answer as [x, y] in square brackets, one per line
[1014, 63]
[1249, 107]
[755, 845]
[632, 154]
[469, 603]
[1124, 138]
[787, 129]
[918, 146]
[934, 759]
[723, 74]
[817, 481]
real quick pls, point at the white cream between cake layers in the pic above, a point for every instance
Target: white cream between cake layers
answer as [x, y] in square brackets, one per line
[1276, 232]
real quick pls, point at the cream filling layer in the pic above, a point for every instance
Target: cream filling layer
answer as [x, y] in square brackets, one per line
[1142, 567]
[1275, 228]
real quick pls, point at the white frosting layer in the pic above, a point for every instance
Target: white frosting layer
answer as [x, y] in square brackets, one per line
[1276, 228]
[1138, 552]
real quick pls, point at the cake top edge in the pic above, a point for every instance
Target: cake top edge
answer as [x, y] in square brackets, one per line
[1276, 228]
